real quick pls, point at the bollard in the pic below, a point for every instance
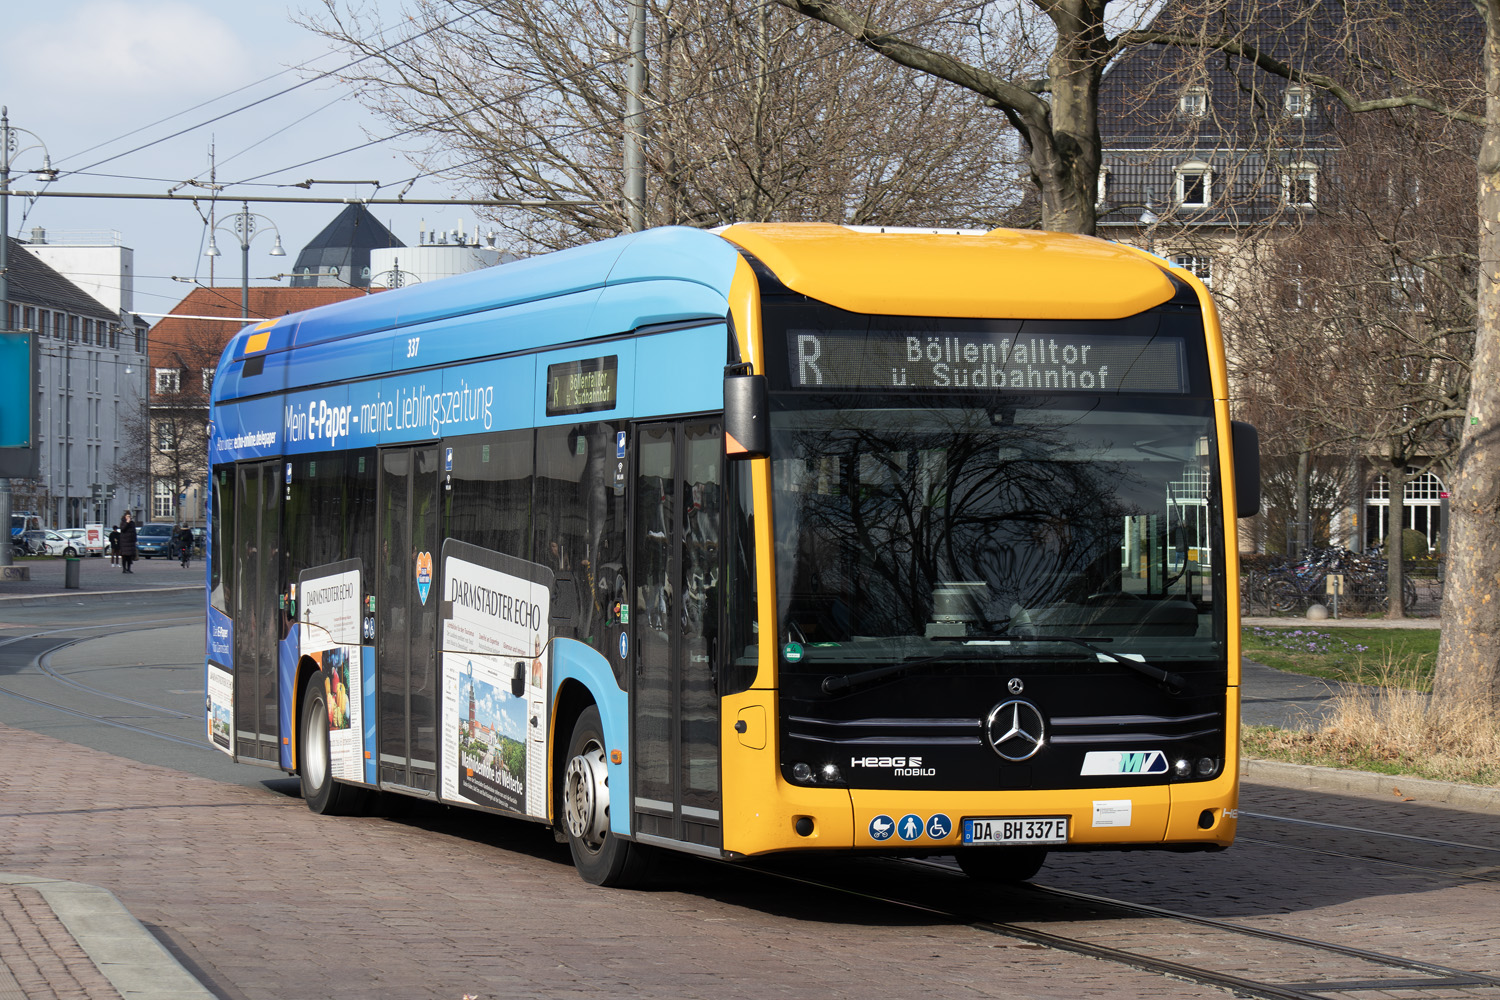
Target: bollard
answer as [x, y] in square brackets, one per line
[70, 572]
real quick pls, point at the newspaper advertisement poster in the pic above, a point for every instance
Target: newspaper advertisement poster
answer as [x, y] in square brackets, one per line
[495, 679]
[331, 637]
[221, 708]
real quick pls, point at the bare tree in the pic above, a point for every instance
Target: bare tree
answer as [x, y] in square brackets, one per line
[752, 114]
[1369, 56]
[1360, 326]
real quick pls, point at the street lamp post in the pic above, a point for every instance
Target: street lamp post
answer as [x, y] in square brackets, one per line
[246, 225]
[9, 148]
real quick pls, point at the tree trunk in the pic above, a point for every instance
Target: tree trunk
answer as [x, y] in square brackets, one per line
[1395, 540]
[1468, 667]
[1303, 515]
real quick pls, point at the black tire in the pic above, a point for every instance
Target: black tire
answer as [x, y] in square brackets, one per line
[583, 797]
[1001, 864]
[70, 551]
[320, 791]
[1408, 594]
[1282, 596]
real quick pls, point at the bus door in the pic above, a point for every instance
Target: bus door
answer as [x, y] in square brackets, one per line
[406, 599]
[257, 609]
[673, 630]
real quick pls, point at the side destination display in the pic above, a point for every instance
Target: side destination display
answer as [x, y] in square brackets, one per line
[1050, 362]
[582, 386]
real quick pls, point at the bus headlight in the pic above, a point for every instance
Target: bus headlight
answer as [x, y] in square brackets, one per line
[1182, 767]
[802, 772]
[1207, 767]
[831, 774]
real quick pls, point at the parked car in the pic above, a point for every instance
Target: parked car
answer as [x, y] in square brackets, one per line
[78, 542]
[153, 539]
[45, 542]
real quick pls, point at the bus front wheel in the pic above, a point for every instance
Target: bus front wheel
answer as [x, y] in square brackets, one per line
[1001, 864]
[600, 857]
[322, 794]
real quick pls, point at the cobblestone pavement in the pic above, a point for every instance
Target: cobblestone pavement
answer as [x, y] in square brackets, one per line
[41, 958]
[261, 899]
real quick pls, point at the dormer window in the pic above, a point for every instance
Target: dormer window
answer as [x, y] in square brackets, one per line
[1194, 184]
[1296, 102]
[1102, 195]
[1193, 103]
[1299, 185]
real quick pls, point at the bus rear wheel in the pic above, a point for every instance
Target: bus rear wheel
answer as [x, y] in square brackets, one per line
[600, 856]
[1001, 864]
[320, 791]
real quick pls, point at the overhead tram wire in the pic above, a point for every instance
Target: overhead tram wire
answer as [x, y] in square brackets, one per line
[255, 103]
[473, 202]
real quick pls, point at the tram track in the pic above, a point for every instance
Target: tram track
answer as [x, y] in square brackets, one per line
[41, 659]
[1223, 954]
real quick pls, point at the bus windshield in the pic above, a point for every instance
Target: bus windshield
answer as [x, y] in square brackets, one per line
[913, 529]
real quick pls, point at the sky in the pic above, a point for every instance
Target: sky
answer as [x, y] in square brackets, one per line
[95, 79]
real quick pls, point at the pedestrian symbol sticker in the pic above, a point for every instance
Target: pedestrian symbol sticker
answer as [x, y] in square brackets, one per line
[624, 645]
[881, 827]
[939, 826]
[910, 827]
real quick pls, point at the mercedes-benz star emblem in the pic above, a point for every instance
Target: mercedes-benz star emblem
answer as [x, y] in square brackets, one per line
[1015, 729]
[1014, 685]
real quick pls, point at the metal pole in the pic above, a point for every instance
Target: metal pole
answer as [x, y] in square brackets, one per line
[5, 297]
[635, 83]
[246, 226]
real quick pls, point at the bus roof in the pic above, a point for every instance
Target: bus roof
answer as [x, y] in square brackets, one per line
[915, 273]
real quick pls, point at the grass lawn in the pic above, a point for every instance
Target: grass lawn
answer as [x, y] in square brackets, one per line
[1401, 657]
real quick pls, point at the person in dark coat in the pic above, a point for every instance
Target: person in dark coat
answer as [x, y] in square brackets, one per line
[114, 546]
[127, 541]
[184, 540]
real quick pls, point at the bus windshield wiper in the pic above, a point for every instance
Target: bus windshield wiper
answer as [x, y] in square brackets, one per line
[1173, 682]
[834, 683]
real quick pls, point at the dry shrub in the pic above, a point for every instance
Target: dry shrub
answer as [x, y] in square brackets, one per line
[1389, 727]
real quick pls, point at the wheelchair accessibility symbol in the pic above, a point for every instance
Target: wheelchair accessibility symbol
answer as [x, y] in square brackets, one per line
[939, 826]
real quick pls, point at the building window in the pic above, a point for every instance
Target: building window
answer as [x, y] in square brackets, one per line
[168, 380]
[114, 337]
[1194, 185]
[1407, 282]
[1103, 193]
[1296, 102]
[140, 340]
[46, 323]
[1193, 103]
[31, 318]
[163, 502]
[208, 378]
[1424, 500]
[166, 436]
[73, 324]
[1200, 267]
[1299, 185]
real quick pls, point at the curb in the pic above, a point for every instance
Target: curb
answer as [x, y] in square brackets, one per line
[26, 600]
[121, 948]
[1332, 779]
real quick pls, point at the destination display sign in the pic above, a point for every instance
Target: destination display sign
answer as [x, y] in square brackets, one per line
[582, 386]
[996, 362]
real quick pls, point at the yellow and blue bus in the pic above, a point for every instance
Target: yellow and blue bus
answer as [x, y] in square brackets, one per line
[778, 538]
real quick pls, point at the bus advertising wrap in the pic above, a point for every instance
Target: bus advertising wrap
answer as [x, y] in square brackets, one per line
[495, 610]
[331, 636]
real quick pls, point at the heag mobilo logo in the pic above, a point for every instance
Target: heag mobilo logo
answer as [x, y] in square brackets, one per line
[1097, 762]
[909, 767]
